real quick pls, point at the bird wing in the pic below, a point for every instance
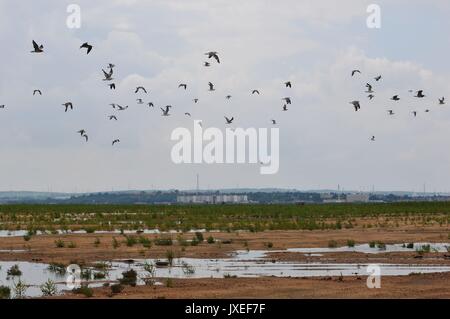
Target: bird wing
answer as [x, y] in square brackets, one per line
[35, 45]
[217, 58]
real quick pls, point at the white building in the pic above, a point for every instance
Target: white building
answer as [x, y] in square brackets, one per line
[212, 199]
[358, 198]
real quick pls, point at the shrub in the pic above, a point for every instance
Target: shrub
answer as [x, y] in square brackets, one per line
[372, 244]
[115, 243]
[86, 274]
[27, 237]
[49, 288]
[210, 240]
[5, 292]
[163, 241]
[147, 243]
[381, 245]
[72, 245]
[129, 278]
[169, 283]
[59, 243]
[170, 255]
[117, 288]
[14, 271]
[410, 245]
[194, 241]
[99, 275]
[130, 241]
[332, 244]
[269, 244]
[199, 236]
[89, 230]
[187, 269]
[84, 290]
[227, 276]
[57, 268]
[20, 289]
[350, 243]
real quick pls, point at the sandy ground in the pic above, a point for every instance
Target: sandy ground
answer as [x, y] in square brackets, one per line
[414, 286]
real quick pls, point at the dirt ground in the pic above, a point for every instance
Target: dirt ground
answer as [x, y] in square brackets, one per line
[43, 249]
[413, 286]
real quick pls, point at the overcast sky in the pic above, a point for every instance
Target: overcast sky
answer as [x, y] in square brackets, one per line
[262, 44]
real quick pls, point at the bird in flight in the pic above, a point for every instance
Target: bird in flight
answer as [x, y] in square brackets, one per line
[115, 141]
[356, 105]
[372, 138]
[140, 101]
[211, 86]
[112, 117]
[110, 65]
[228, 97]
[182, 85]
[229, 121]
[255, 92]
[121, 108]
[82, 132]
[285, 107]
[195, 100]
[395, 98]
[371, 96]
[37, 91]
[288, 84]
[85, 136]
[427, 111]
[377, 78]
[287, 100]
[187, 114]
[207, 64]
[274, 122]
[442, 101]
[369, 88]
[140, 88]
[68, 105]
[86, 46]
[108, 76]
[112, 86]
[150, 104]
[355, 71]
[37, 48]
[414, 113]
[391, 112]
[2, 106]
[419, 94]
[214, 55]
[166, 111]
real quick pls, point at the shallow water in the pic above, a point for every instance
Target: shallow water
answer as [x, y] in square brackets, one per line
[241, 263]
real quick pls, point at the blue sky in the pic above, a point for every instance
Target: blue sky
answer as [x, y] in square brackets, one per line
[160, 44]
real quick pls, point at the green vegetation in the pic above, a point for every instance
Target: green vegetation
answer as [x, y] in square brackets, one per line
[84, 290]
[57, 268]
[350, 243]
[117, 288]
[59, 243]
[49, 288]
[129, 278]
[14, 271]
[210, 240]
[221, 217]
[5, 292]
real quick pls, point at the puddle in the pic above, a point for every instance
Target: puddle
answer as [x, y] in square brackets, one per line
[365, 248]
[241, 263]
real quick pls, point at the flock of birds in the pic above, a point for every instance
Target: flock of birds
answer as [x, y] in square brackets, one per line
[369, 90]
[109, 73]
[108, 77]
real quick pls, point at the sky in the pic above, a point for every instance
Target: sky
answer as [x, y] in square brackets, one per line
[159, 44]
